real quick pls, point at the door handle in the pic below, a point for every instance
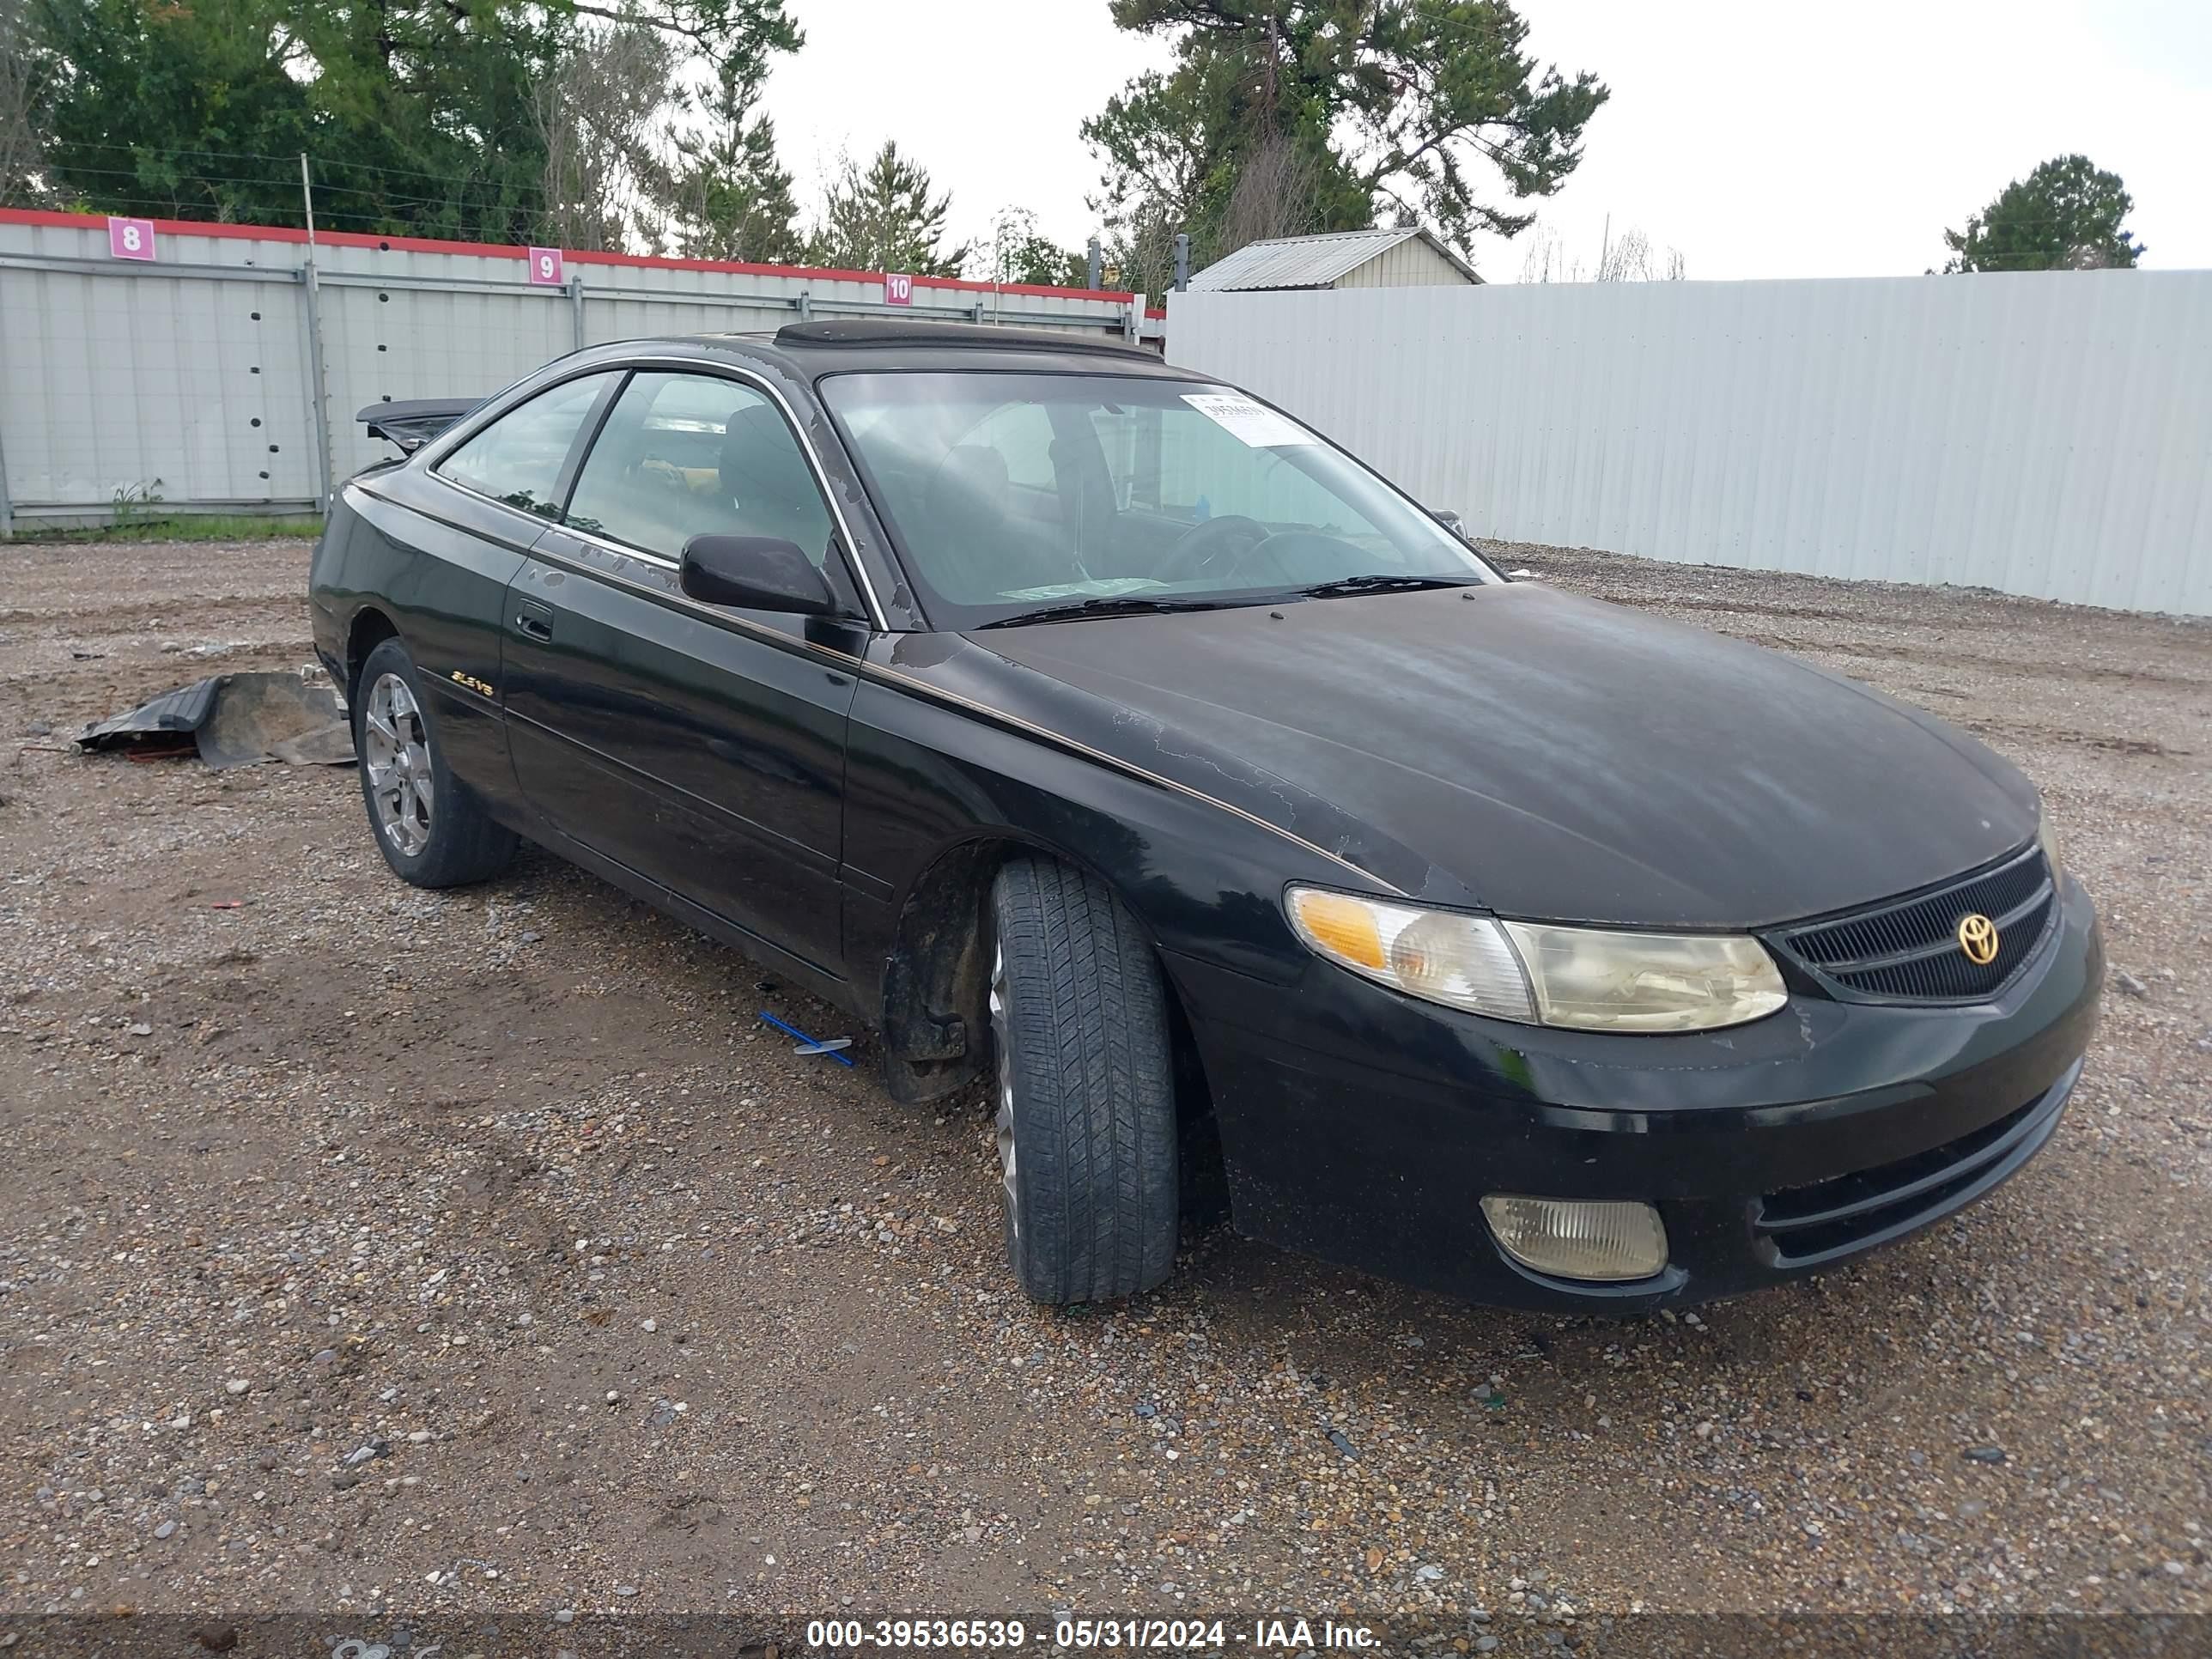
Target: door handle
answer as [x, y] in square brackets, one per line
[534, 622]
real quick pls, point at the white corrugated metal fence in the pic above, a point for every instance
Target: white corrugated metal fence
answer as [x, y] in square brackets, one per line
[189, 380]
[2045, 433]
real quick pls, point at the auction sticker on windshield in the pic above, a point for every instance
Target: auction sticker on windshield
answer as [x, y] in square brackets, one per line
[1251, 423]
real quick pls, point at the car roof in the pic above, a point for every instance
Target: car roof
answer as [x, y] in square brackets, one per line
[812, 350]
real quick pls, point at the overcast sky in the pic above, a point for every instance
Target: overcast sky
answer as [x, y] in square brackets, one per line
[1760, 137]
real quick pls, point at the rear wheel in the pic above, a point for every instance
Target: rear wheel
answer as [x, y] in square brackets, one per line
[1084, 1088]
[432, 831]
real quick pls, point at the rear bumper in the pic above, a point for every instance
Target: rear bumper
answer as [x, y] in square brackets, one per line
[1365, 1129]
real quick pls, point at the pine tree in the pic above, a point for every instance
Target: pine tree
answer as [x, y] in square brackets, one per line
[2065, 216]
[728, 197]
[883, 217]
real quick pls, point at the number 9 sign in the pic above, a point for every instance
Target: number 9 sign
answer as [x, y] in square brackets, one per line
[130, 239]
[545, 267]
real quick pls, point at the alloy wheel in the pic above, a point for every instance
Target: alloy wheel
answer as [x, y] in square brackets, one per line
[398, 755]
[1000, 1020]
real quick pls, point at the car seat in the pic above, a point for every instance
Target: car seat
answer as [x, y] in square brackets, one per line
[977, 549]
[767, 486]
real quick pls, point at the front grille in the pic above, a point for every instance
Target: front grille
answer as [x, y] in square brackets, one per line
[1909, 948]
[1831, 1218]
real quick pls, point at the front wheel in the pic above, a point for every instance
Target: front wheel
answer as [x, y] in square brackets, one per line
[1084, 1088]
[431, 830]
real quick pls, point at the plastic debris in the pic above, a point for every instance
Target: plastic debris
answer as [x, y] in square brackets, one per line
[235, 720]
[160, 746]
[159, 721]
[808, 1045]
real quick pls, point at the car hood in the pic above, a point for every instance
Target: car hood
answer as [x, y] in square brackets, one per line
[1524, 750]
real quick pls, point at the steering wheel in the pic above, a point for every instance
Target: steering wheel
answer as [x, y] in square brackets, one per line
[1205, 546]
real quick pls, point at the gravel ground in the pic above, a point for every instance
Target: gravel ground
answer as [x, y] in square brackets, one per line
[369, 1248]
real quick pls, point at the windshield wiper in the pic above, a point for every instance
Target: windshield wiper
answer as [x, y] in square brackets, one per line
[1131, 604]
[1380, 584]
[1113, 605]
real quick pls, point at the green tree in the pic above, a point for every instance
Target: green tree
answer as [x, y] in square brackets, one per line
[22, 109]
[883, 217]
[418, 117]
[1046, 263]
[2065, 216]
[597, 118]
[728, 197]
[429, 117]
[1285, 116]
[1020, 253]
[425, 113]
[139, 94]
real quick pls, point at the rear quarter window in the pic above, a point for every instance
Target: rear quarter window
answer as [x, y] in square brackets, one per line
[518, 457]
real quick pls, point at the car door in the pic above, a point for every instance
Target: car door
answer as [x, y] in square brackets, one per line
[462, 530]
[700, 746]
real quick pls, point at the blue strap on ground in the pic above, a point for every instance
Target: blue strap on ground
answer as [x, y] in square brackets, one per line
[815, 1044]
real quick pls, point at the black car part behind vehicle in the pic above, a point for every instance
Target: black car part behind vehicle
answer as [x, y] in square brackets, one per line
[412, 423]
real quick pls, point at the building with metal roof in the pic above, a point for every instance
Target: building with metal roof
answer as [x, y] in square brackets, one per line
[1410, 257]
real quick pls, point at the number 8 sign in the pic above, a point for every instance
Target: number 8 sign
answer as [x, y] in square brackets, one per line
[130, 239]
[545, 266]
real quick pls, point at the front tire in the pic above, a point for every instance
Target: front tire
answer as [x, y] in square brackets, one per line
[431, 830]
[1084, 1088]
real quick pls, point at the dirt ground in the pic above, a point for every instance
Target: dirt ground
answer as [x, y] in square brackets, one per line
[367, 1250]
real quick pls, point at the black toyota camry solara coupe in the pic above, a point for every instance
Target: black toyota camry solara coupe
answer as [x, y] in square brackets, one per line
[1097, 731]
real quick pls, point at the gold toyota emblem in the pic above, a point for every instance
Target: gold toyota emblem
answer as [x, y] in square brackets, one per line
[1978, 937]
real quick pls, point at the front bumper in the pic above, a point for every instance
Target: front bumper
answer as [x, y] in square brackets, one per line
[1363, 1128]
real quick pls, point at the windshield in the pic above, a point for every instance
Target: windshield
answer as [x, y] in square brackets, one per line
[1013, 495]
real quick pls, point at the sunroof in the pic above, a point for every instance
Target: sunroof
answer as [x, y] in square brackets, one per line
[861, 332]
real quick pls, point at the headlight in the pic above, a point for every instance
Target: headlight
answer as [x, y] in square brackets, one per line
[1646, 982]
[1461, 960]
[1587, 978]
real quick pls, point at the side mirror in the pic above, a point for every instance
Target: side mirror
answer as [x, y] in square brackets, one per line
[1450, 521]
[755, 573]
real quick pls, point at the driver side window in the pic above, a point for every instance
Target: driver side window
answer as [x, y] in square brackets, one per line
[684, 455]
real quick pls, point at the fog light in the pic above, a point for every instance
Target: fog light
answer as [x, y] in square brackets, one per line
[1572, 1240]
